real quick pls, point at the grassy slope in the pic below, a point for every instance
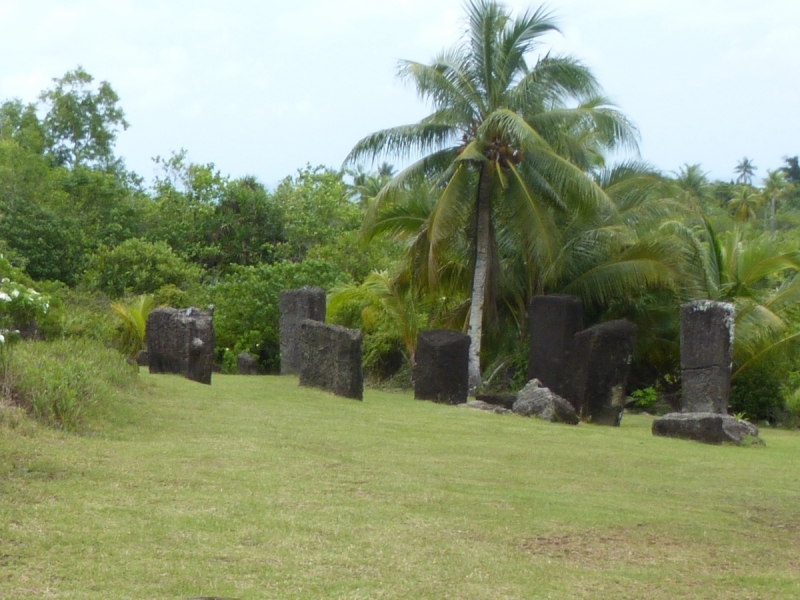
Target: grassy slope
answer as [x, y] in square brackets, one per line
[255, 488]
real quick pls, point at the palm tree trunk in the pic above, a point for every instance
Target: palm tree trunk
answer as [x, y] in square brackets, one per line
[480, 276]
[772, 218]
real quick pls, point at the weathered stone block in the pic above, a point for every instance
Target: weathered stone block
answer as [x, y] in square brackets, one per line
[331, 358]
[246, 364]
[502, 400]
[441, 371]
[706, 356]
[181, 341]
[488, 407]
[295, 307]
[534, 399]
[554, 321]
[706, 427]
[600, 364]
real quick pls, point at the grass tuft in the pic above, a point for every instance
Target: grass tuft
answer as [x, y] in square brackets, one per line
[62, 383]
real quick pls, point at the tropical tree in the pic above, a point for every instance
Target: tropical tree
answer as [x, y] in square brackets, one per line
[745, 170]
[81, 122]
[745, 204]
[506, 141]
[774, 188]
[763, 284]
[693, 184]
[132, 324]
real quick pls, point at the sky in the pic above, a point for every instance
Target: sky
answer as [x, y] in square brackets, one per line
[263, 88]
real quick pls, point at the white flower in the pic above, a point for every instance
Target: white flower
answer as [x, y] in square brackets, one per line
[2, 339]
[5, 297]
[15, 293]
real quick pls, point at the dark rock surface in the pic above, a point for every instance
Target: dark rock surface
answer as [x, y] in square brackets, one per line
[600, 365]
[493, 408]
[554, 321]
[331, 358]
[246, 364]
[545, 404]
[503, 400]
[143, 359]
[706, 427]
[706, 356]
[441, 369]
[181, 341]
[295, 307]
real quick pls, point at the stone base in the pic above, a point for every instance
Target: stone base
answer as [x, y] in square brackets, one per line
[705, 427]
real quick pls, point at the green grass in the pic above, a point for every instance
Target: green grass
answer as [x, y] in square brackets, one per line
[256, 488]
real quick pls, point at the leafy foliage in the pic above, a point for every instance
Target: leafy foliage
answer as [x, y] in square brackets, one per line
[246, 304]
[138, 267]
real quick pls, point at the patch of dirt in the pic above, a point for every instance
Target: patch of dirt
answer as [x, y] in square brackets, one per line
[608, 548]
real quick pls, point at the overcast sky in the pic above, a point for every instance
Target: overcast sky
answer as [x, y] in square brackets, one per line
[263, 87]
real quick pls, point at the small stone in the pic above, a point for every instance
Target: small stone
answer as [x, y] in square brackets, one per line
[540, 401]
[246, 364]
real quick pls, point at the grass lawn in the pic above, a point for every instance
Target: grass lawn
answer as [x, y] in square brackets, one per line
[255, 488]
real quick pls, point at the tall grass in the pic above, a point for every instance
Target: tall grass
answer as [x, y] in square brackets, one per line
[61, 382]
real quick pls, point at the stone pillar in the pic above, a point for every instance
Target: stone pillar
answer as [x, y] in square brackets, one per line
[181, 341]
[553, 320]
[295, 307]
[706, 356]
[600, 364]
[331, 358]
[441, 372]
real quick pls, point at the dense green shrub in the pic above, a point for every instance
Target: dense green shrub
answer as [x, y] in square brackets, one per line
[52, 244]
[757, 393]
[138, 267]
[60, 382]
[246, 301]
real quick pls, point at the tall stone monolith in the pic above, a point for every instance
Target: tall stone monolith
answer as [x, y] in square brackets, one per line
[441, 372]
[706, 356]
[330, 358]
[600, 365]
[181, 341]
[554, 321]
[295, 307]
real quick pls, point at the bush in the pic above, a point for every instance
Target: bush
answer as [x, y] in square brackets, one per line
[138, 267]
[757, 393]
[61, 382]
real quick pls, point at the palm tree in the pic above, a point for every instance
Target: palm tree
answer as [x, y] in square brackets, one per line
[693, 183]
[774, 188]
[744, 204]
[132, 325]
[506, 141]
[745, 170]
[764, 285]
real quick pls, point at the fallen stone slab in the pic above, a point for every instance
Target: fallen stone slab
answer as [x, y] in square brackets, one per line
[705, 427]
[540, 401]
[493, 408]
[503, 400]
